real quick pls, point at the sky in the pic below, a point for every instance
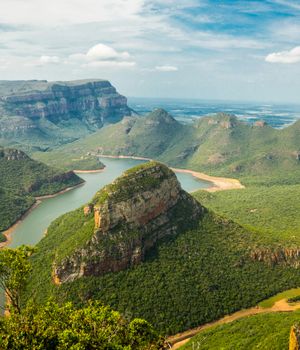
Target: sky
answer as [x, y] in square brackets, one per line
[205, 49]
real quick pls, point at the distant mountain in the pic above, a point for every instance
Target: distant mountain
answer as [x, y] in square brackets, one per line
[42, 114]
[21, 179]
[219, 145]
[147, 248]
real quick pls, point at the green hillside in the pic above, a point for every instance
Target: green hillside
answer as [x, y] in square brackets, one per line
[272, 212]
[263, 332]
[22, 179]
[186, 280]
[219, 145]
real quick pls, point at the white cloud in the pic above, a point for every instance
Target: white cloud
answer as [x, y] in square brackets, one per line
[166, 68]
[101, 52]
[43, 12]
[49, 59]
[102, 55]
[291, 56]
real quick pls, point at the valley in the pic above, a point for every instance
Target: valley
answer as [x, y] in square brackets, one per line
[129, 235]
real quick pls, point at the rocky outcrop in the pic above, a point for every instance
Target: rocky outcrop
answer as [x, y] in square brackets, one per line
[260, 123]
[294, 343]
[279, 256]
[12, 154]
[131, 215]
[42, 106]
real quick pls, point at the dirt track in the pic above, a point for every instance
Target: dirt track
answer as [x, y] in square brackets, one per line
[180, 339]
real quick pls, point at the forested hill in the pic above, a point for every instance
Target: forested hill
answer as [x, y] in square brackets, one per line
[21, 179]
[219, 145]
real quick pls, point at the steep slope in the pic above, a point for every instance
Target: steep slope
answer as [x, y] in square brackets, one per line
[41, 113]
[145, 247]
[219, 145]
[22, 178]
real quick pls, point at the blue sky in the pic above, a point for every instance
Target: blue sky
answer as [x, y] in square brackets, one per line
[206, 49]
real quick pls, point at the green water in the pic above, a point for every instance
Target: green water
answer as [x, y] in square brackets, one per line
[32, 228]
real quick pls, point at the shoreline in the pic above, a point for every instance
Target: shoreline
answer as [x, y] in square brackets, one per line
[218, 183]
[38, 200]
[88, 171]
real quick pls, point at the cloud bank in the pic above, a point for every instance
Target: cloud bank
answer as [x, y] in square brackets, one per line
[291, 56]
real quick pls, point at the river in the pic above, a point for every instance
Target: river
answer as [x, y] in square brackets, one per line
[34, 225]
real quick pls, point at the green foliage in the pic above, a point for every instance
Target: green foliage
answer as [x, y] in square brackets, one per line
[62, 160]
[273, 212]
[218, 145]
[94, 326]
[22, 178]
[187, 280]
[131, 182]
[263, 332]
[14, 271]
[295, 299]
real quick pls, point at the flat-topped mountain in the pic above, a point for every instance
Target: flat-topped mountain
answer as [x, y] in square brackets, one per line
[147, 248]
[41, 113]
[21, 179]
[124, 221]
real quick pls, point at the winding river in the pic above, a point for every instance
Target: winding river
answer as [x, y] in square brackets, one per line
[34, 225]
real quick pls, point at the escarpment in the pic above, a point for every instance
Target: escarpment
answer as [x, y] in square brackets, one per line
[40, 108]
[130, 216]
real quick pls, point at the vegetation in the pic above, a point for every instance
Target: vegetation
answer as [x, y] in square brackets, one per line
[263, 332]
[14, 271]
[130, 183]
[200, 275]
[21, 179]
[63, 327]
[62, 160]
[218, 145]
[288, 294]
[272, 212]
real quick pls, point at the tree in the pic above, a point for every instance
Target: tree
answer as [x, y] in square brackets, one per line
[14, 271]
[95, 326]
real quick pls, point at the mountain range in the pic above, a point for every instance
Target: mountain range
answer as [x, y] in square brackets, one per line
[219, 145]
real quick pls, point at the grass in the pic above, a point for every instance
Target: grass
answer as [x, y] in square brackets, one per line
[288, 294]
[263, 332]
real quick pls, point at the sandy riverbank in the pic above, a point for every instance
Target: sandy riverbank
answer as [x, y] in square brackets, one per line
[218, 183]
[38, 200]
[88, 171]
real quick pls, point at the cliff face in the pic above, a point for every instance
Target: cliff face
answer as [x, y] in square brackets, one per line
[294, 343]
[279, 256]
[140, 208]
[42, 107]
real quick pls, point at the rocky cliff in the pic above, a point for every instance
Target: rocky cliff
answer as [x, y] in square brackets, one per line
[68, 110]
[130, 216]
[294, 343]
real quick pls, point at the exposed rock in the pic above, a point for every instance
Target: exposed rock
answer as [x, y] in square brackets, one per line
[45, 105]
[260, 123]
[12, 154]
[279, 256]
[294, 343]
[131, 215]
